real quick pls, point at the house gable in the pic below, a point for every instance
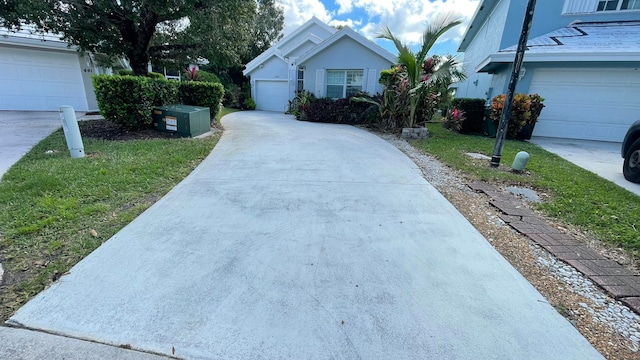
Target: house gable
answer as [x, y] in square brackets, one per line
[302, 39]
[300, 60]
[345, 52]
[272, 68]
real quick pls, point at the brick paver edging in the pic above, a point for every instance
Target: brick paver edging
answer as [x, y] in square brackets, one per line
[619, 282]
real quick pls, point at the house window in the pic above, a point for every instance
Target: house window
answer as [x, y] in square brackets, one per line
[613, 5]
[607, 5]
[343, 83]
[591, 6]
[630, 5]
[300, 86]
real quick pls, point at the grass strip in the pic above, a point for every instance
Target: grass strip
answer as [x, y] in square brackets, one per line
[576, 196]
[55, 210]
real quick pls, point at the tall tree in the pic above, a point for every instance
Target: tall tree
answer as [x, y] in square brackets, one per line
[128, 27]
[421, 73]
[267, 28]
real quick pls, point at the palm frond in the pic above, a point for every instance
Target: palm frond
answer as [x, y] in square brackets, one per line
[434, 31]
[385, 33]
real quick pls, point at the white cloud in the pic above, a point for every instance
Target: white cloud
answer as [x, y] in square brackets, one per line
[344, 6]
[407, 19]
[354, 24]
[297, 12]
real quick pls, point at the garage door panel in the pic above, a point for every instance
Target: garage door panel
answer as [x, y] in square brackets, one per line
[272, 95]
[591, 103]
[33, 79]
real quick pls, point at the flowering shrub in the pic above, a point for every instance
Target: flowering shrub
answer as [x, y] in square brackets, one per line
[191, 74]
[454, 119]
[524, 113]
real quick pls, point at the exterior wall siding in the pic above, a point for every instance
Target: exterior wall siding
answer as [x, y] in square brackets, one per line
[345, 54]
[273, 68]
[486, 41]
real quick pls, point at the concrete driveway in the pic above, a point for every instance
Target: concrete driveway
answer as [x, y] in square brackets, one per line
[21, 130]
[599, 157]
[297, 240]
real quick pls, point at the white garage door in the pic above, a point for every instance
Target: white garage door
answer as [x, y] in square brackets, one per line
[40, 80]
[272, 95]
[592, 104]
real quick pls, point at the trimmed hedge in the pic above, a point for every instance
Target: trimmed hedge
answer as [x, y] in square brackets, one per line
[129, 100]
[202, 94]
[340, 111]
[473, 110]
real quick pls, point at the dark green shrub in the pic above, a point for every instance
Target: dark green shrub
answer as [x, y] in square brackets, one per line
[232, 95]
[150, 74]
[341, 111]
[250, 104]
[126, 100]
[165, 92]
[155, 75]
[473, 110]
[129, 100]
[207, 77]
[202, 94]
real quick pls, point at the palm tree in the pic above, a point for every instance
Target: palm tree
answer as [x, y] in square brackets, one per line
[423, 73]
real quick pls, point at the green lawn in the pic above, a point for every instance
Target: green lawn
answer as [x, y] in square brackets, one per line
[55, 210]
[577, 196]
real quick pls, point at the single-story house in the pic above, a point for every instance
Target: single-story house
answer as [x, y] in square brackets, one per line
[41, 72]
[582, 57]
[320, 59]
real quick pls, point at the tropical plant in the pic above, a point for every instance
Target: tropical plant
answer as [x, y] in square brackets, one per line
[454, 120]
[424, 76]
[524, 113]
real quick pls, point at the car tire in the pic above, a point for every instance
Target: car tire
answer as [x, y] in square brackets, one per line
[631, 167]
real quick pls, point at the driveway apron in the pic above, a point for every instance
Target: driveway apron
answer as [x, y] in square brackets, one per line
[297, 240]
[21, 130]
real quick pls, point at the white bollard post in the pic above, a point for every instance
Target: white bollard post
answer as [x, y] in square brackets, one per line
[71, 131]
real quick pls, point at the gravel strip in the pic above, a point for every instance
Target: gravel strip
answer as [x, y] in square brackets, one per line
[609, 325]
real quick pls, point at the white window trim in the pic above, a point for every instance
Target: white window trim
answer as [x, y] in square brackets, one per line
[298, 80]
[572, 7]
[344, 84]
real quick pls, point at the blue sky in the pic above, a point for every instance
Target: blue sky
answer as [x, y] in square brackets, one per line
[406, 18]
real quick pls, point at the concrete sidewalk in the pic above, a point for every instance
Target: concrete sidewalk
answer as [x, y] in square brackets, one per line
[304, 241]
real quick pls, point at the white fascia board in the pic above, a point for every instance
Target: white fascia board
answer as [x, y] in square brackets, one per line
[310, 37]
[507, 58]
[303, 27]
[261, 59]
[36, 43]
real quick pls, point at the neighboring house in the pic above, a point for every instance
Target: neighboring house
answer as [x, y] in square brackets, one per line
[320, 59]
[41, 72]
[583, 57]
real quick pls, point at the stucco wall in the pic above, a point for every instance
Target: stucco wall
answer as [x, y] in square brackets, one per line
[345, 54]
[274, 68]
[486, 41]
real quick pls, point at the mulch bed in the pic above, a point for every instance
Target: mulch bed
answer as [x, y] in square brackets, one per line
[107, 130]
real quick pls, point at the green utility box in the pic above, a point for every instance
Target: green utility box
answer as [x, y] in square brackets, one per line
[183, 120]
